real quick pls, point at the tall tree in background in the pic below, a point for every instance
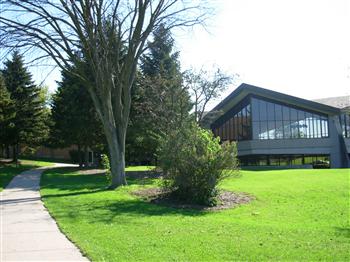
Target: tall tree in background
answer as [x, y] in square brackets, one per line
[7, 114]
[29, 123]
[75, 121]
[159, 100]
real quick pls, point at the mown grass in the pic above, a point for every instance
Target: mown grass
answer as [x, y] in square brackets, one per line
[140, 168]
[298, 215]
[8, 171]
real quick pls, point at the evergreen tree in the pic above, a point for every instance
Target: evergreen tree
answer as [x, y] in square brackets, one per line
[74, 117]
[7, 114]
[29, 123]
[160, 60]
[159, 100]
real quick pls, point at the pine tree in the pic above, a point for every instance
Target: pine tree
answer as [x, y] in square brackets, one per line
[29, 123]
[7, 114]
[159, 100]
[74, 117]
[161, 61]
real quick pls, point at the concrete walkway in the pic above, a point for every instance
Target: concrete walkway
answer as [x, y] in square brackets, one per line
[27, 231]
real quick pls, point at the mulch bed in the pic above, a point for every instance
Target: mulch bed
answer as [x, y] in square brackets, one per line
[226, 199]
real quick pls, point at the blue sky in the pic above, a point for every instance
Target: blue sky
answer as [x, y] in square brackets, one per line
[299, 47]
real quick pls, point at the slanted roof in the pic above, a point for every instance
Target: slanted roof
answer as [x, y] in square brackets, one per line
[338, 102]
[245, 89]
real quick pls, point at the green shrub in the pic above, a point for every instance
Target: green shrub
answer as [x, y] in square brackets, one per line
[194, 162]
[105, 164]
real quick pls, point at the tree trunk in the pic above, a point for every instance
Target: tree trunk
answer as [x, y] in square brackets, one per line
[86, 157]
[116, 145]
[80, 160]
[14, 154]
[7, 151]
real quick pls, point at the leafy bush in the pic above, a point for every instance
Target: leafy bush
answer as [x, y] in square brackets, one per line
[105, 164]
[194, 162]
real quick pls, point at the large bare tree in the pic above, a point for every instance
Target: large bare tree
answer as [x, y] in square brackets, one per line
[204, 87]
[104, 40]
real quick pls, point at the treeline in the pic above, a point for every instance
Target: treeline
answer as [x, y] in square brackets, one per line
[162, 97]
[24, 116]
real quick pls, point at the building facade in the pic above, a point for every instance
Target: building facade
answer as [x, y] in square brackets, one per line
[275, 129]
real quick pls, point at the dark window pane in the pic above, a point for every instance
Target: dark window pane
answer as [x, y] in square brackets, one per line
[286, 113]
[301, 115]
[308, 123]
[297, 160]
[324, 125]
[233, 129]
[236, 127]
[223, 132]
[294, 129]
[227, 126]
[274, 161]
[293, 114]
[284, 161]
[286, 129]
[317, 126]
[240, 122]
[270, 111]
[347, 125]
[263, 130]
[248, 110]
[262, 110]
[279, 130]
[302, 124]
[271, 130]
[278, 112]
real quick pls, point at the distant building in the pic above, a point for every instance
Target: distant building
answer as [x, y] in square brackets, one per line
[276, 129]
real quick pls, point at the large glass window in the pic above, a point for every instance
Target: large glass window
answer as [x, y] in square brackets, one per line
[284, 160]
[236, 123]
[277, 121]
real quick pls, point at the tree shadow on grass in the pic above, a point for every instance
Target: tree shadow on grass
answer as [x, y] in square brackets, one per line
[343, 231]
[73, 184]
[68, 178]
[128, 211]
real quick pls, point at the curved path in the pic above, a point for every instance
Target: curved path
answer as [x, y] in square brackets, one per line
[27, 231]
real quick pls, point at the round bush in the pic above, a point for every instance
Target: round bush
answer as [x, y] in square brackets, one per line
[193, 162]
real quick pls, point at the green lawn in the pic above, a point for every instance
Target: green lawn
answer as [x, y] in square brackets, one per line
[139, 168]
[7, 172]
[298, 215]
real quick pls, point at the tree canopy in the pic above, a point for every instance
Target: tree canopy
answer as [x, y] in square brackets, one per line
[74, 118]
[159, 99]
[29, 124]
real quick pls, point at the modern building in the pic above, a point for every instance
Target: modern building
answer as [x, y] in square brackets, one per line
[276, 129]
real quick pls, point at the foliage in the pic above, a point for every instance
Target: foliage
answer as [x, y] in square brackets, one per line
[159, 100]
[106, 166]
[31, 118]
[205, 87]
[194, 162]
[298, 215]
[7, 113]
[74, 118]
